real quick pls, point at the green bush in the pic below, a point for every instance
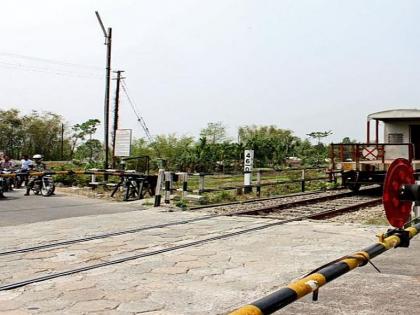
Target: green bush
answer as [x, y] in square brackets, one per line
[182, 203]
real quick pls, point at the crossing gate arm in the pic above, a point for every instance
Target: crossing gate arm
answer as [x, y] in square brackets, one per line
[312, 282]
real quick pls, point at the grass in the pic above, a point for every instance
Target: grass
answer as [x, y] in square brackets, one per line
[222, 180]
[376, 221]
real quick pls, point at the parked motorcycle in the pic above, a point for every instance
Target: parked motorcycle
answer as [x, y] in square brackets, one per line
[7, 182]
[44, 185]
[2, 182]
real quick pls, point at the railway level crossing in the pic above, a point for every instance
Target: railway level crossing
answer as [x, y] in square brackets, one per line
[400, 194]
[400, 191]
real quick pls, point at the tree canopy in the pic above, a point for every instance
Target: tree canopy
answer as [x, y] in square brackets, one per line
[213, 151]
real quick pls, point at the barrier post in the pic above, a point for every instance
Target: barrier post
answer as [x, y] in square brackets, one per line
[168, 179]
[158, 192]
[184, 185]
[201, 184]
[171, 182]
[259, 183]
[302, 179]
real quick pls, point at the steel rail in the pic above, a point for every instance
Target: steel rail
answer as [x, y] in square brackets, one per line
[151, 253]
[327, 213]
[255, 200]
[150, 227]
[105, 235]
[368, 189]
[297, 203]
[140, 229]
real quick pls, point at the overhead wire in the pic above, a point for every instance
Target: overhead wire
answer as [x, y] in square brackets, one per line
[23, 67]
[51, 61]
[140, 119]
[37, 64]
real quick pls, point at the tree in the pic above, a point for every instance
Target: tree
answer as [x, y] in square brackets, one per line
[32, 133]
[80, 131]
[320, 152]
[11, 132]
[319, 135]
[271, 144]
[91, 149]
[214, 132]
[347, 140]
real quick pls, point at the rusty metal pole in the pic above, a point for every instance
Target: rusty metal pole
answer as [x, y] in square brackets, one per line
[116, 115]
[368, 132]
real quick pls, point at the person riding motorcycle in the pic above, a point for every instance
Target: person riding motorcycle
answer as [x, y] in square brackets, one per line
[37, 166]
[7, 163]
[7, 166]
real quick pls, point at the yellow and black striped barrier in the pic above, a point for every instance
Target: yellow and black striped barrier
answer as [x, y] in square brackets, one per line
[312, 282]
[110, 173]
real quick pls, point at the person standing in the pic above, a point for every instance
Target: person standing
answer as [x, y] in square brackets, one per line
[25, 167]
[26, 163]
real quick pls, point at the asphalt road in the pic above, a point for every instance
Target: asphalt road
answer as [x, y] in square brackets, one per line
[19, 209]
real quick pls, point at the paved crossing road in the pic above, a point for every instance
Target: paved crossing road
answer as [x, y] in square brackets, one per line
[19, 209]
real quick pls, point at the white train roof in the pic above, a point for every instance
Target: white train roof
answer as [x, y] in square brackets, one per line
[396, 114]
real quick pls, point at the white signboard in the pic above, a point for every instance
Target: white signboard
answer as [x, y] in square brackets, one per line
[122, 142]
[248, 160]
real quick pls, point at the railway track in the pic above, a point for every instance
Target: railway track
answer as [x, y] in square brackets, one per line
[282, 202]
[291, 201]
[320, 210]
[273, 198]
[279, 214]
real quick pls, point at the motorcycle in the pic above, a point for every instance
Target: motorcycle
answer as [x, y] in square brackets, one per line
[44, 185]
[21, 178]
[2, 184]
[7, 182]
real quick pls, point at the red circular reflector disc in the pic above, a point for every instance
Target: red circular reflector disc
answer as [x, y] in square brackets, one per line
[400, 173]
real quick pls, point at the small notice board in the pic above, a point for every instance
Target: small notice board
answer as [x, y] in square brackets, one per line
[248, 160]
[123, 142]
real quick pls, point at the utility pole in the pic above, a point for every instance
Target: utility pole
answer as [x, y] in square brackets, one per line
[116, 114]
[62, 142]
[108, 41]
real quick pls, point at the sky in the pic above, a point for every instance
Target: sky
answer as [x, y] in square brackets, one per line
[304, 65]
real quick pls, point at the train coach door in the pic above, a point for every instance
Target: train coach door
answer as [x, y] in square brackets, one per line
[415, 139]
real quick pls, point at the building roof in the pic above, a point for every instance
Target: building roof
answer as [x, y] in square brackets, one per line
[396, 114]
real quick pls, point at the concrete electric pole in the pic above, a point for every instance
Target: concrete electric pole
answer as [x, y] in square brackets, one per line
[108, 41]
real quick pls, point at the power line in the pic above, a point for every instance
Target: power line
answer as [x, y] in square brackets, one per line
[64, 63]
[23, 67]
[134, 107]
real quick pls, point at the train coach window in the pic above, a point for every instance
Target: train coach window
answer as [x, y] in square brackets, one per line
[395, 138]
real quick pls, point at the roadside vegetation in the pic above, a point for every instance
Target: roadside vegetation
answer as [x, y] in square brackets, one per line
[74, 147]
[211, 152]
